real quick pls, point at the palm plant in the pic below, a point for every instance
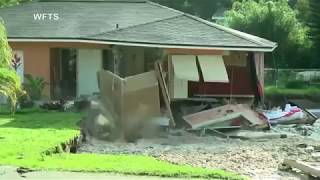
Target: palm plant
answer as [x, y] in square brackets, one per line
[10, 85]
[34, 86]
[5, 50]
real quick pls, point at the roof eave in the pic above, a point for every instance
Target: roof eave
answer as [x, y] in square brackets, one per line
[234, 32]
[143, 44]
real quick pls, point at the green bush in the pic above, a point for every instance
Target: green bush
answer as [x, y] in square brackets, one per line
[296, 84]
[34, 86]
[5, 50]
[10, 85]
[274, 93]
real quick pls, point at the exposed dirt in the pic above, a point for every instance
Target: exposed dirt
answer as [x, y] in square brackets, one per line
[258, 158]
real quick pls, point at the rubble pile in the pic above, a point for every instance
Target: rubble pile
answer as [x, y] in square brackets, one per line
[252, 157]
[211, 132]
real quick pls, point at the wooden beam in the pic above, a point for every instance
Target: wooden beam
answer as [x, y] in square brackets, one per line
[304, 167]
[177, 51]
[164, 90]
[224, 95]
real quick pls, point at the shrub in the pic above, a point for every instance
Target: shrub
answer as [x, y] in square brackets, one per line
[25, 101]
[274, 94]
[5, 50]
[10, 85]
[34, 86]
[296, 84]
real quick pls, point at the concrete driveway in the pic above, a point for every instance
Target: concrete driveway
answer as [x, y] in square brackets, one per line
[10, 173]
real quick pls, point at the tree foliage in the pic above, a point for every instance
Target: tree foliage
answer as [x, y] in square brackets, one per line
[202, 8]
[5, 50]
[10, 85]
[314, 24]
[276, 21]
[6, 3]
[302, 9]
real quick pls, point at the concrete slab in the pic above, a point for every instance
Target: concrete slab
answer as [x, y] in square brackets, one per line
[84, 176]
[10, 173]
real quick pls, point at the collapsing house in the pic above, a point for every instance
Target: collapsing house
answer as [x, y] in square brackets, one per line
[146, 54]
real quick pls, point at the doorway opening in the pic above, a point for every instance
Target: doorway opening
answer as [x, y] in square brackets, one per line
[63, 73]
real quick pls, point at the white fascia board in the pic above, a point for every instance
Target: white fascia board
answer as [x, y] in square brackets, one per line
[144, 44]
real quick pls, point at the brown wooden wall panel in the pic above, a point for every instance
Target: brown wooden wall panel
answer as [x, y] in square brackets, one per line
[240, 80]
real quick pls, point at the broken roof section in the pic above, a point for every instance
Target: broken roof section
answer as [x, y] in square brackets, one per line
[124, 22]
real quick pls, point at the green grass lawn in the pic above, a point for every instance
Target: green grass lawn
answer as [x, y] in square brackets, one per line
[26, 136]
[312, 93]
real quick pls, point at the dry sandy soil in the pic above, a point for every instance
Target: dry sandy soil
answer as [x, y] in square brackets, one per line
[256, 158]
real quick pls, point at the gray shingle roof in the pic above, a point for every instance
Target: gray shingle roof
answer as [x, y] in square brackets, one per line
[138, 21]
[179, 30]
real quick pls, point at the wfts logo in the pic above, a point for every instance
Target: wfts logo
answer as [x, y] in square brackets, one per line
[46, 16]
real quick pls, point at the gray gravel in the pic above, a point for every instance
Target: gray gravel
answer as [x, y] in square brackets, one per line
[258, 159]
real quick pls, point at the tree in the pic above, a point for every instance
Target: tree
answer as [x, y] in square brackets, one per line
[276, 21]
[5, 3]
[302, 9]
[10, 85]
[202, 8]
[206, 8]
[5, 51]
[314, 24]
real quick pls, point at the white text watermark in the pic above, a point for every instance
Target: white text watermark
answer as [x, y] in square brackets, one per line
[46, 16]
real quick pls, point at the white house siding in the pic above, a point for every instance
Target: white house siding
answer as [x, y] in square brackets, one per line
[89, 63]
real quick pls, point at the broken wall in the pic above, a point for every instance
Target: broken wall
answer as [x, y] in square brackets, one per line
[132, 100]
[183, 69]
[259, 63]
[152, 55]
[212, 75]
[240, 83]
[132, 61]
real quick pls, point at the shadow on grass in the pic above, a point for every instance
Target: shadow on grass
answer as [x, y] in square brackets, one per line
[35, 119]
[5, 110]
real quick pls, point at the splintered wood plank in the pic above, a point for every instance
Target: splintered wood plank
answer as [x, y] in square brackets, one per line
[164, 91]
[307, 168]
[211, 116]
[223, 114]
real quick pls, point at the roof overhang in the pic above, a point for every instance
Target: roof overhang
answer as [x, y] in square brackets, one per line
[143, 44]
